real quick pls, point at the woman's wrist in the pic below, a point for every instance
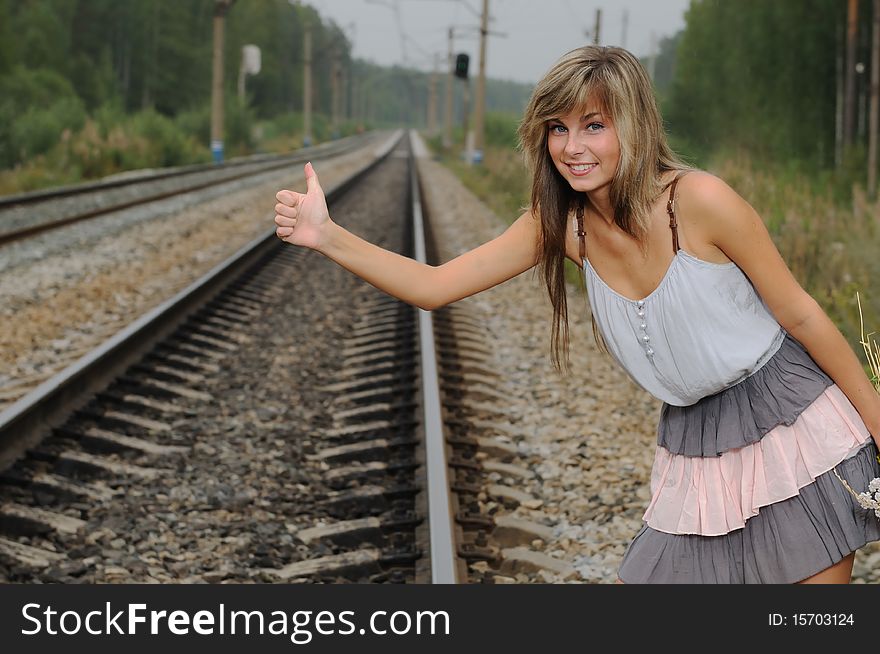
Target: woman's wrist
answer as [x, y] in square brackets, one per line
[328, 241]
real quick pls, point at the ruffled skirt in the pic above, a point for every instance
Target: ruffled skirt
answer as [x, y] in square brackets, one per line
[743, 485]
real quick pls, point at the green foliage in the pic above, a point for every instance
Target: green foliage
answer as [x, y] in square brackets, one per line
[500, 181]
[196, 123]
[760, 76]
[38, 130]
[169, 146]
[830, 246]
[6, 37]
[283, 128]
[36, 107]
[146, 139]
[91, 87]
[500, 130]
[239, 121]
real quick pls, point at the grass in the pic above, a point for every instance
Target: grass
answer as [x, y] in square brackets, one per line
[110, 142]
[829, 244]
[872, 351]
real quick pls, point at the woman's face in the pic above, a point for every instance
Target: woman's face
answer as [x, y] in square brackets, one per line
[584, 148]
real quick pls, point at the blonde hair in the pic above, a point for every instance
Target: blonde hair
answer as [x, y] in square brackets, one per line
[613, 78]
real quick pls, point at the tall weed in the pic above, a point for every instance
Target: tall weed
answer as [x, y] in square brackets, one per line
[830, 246]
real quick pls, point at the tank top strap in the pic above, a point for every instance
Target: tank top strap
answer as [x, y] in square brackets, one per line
[582, 246]
[670, 209]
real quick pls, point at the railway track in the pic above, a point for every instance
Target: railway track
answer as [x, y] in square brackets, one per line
[27, 214]
[218, 438]
[124, 262]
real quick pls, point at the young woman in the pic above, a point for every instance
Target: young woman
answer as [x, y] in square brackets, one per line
[764, 402]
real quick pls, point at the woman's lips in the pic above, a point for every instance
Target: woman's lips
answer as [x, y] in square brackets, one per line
[579, 170]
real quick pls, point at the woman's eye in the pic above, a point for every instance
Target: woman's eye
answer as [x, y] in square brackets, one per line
[557, 129]
[597, 127]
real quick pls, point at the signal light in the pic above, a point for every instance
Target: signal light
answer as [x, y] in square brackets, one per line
[461, 65]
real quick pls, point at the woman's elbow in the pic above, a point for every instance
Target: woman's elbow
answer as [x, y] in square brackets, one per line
[434, 293]
[432, 304]
[800, 313]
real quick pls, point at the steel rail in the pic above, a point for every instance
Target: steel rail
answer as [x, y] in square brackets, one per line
[26, 422]
[273, 163]
[440, 514]
[136, 177]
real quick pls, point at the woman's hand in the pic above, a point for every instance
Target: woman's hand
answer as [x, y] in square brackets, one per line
[303, 218]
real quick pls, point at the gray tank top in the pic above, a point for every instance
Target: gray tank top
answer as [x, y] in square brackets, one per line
[703, 329]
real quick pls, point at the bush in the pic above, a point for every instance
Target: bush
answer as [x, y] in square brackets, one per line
[239, 123]
[500, 130]
[38, 130]
[169, 146]
[36, 107]
[115, 142]
[196, 124]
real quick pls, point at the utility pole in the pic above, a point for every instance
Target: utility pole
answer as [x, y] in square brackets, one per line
[480, 103]
[597, 31]
[447, 116]
[335, 74]
[849, 103]
[221, 7]
[838, 98]
[345, 107]
[432, 99]
[625, 27]
[307, 83]
[874, 112]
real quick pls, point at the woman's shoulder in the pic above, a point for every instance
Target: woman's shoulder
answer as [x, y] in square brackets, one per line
[709, 210]
[704, 190]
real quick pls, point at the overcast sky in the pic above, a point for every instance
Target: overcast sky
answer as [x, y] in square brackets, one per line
[536, 32]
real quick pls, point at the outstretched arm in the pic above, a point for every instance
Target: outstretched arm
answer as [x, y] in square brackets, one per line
[303, 219]
[736, 228]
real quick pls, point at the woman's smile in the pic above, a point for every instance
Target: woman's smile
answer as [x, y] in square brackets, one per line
[581, 169]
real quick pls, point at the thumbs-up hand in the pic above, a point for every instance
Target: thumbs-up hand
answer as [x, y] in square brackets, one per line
[302, 218]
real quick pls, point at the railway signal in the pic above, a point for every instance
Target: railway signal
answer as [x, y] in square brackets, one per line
[461, 65]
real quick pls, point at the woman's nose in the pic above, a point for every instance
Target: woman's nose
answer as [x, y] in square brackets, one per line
[574, 145]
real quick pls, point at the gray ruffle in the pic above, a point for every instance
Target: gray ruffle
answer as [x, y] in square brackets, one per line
[742, 414]
[786, 542]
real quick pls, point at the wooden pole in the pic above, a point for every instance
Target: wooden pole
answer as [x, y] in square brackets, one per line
[221, 7]
[432, 100]
[335, 73]
[480, 103]
[307, 83]
[849, 93]
[838, 98]
[447, 115]
[874, 111]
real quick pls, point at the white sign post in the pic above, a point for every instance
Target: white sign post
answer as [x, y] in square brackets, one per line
[250, 65]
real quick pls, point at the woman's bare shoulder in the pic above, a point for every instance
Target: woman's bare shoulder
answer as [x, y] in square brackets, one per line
[705, 204]
[705, 190]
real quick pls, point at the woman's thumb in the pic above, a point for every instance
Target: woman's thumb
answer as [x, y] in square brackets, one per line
[312, 183]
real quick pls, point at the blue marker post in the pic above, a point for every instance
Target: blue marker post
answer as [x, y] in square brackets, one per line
[217, 151]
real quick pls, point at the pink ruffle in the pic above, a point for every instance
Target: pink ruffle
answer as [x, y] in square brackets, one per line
[716, 495]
